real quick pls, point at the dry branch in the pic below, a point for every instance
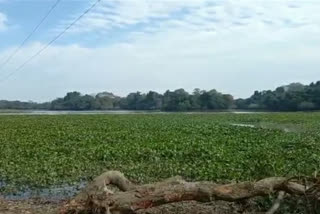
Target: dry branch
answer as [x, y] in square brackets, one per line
[98, 198]
[277, 203]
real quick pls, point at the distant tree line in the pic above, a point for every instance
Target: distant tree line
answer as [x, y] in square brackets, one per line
[178, 100]
[293, 97]
[18, 105]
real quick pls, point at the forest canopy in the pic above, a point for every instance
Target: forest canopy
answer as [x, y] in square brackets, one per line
[292, 97]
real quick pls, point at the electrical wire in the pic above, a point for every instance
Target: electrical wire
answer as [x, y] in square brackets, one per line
[51, 42]
[30, 35]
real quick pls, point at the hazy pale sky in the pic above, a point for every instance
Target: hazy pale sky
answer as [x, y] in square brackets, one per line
[122, 46]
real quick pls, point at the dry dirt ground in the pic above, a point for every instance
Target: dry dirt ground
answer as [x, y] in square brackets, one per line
[198, 208]
[42, 207]
[28, 207]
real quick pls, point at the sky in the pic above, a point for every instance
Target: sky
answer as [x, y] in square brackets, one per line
[123, 46]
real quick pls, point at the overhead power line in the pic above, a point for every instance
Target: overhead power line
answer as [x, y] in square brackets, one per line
[30, 35]
[51, 42]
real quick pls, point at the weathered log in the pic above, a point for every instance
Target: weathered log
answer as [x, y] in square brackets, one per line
[98, 198]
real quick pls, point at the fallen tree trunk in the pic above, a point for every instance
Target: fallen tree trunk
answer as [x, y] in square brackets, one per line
[97, 198]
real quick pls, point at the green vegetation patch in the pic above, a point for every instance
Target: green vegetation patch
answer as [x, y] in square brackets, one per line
[41, 151]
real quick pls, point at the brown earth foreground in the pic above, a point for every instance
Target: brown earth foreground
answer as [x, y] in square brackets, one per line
[113, 193]
[28, 207]
[38, 207]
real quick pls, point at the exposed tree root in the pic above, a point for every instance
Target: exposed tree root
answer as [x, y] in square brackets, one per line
[97, 198]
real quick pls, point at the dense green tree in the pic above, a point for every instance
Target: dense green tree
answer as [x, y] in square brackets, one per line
[213, 100]
[178, 100]
[135, 101]
[153, 101]
[293, 97]
[195, 99]
[74, 101]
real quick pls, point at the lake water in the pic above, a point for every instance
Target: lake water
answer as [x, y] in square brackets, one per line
[56, 193]
[110, 112]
